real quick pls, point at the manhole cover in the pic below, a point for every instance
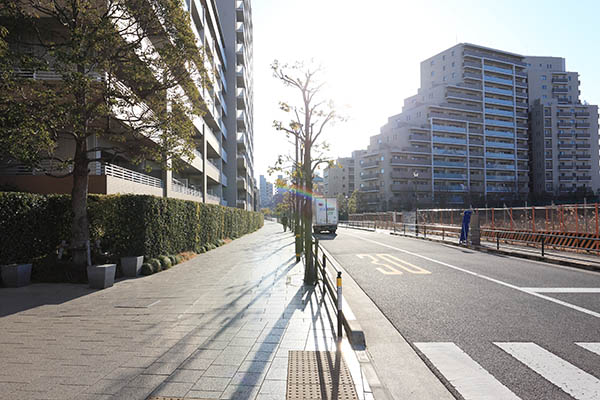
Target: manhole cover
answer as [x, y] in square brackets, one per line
[318, 375]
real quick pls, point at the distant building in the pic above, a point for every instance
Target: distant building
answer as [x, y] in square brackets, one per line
[339, 178]
[564, 132]
[318, 185]
[266, 192]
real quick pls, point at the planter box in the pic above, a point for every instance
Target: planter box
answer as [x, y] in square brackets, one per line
[101, 276]
[16, 275]
[131, 266]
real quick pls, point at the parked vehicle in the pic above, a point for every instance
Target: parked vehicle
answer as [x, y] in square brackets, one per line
[325, 214]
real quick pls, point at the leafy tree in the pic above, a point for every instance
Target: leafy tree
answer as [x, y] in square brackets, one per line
[357, 202]
[342, 203]
[307, 123]
[112, 77]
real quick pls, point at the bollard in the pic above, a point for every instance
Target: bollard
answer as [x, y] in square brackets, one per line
[542, 246]
[443, 234]
[425, 231]
[339, 305]
[298, 247]
[497, 241]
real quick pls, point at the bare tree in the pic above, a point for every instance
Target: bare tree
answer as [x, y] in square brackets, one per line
[309, 118]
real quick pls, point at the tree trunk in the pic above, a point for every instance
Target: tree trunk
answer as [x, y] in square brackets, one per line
[310, 276]
[80, 233]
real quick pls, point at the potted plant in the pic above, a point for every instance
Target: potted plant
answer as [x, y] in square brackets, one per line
[16, 275]
[101, 276]
[131, 266]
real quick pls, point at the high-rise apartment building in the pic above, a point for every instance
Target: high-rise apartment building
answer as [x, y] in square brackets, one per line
[461, 140]
[236, 19]
[266, 192]
[221, 172]
[339, 178]
[564, 132]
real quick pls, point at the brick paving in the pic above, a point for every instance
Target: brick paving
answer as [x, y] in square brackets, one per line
[217, 326]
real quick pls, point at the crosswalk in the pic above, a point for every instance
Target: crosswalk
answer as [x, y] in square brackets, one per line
[472, 381]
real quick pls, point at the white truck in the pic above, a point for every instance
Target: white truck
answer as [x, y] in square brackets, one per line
[325, 214]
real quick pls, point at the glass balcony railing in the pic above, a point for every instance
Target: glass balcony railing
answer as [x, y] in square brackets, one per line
[449, 128]
[501, 178]
[497, 80]
[450, 188]
[440, 163]
[499, 112]
[498, 91]
[503, 134]
[502, 145]
[441, 139]
[499, 122]
[499, 102]
[449, 152]
[497, 69]
[440, 175]
[501, 189]
[500, 155]
[506, 167]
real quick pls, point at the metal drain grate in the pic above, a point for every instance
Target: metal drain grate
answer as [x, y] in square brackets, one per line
[318, 375]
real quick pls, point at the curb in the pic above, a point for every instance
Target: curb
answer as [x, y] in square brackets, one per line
[359, 228]
[550, 260]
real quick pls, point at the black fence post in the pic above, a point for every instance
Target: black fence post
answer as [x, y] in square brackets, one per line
[497, 241]
[324, 272]
[339, 305]
[542, 246]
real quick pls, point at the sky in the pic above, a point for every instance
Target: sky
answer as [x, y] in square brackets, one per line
[371, 51]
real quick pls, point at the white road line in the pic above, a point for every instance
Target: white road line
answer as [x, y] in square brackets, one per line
[566, 376]
[561, 289]
[464, 373]
[499, 282]
[593, 347]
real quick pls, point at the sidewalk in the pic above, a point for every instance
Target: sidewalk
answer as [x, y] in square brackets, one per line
[217, 326]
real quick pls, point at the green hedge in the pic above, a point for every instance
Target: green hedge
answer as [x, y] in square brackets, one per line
[33, 225]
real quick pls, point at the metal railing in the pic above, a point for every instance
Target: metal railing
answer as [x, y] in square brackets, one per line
[129, 175]
[367, 225]
[327, 281]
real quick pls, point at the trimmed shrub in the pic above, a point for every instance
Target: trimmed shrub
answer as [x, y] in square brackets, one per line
[173, 260]
[147, 269]
[179, 259]
[165, 262]
[33, 225]
[156, 265]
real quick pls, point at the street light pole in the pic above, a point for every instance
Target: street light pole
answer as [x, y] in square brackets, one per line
[297, 229]
[415, 176]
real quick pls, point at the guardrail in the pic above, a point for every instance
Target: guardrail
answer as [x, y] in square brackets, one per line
[367, 225]
[327, 281]
[542, 240]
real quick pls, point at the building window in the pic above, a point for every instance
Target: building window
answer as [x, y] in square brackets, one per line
[432, 62]
[381, 158]
[452, 53]
[444, 79]
[382, 170]
[444, 57]
[453, 75]
[444, 68]
[432, 73]
[543, 77]
[544, 87]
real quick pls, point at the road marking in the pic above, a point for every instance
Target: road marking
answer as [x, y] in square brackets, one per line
[389, 269]
[464, 373]
[405, 265]
[561, 290]
[593, 347]
[561, 373]
[499, 282]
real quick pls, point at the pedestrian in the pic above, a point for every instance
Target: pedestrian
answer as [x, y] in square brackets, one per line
[284, 222]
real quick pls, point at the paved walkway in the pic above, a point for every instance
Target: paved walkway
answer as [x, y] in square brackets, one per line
[217, 326]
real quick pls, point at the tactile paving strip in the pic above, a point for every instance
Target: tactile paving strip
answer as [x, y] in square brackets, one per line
[318, 375]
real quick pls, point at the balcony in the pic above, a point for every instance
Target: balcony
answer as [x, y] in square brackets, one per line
[242, 141]
[502, 145]
[180, 187]
[494, 56]
[581, 167]
[565, 156]
[583, 134]
[463, 96]
[498, 69]
[582, 113]
[458, 106]
[499, 189]
[583, 146]
[371, 164]
[505, 92]
[439, 115]
[496, 111]
[503, 134]
[129, 175]
[449, 152]
[405, 161]
[582, 124]
[506, 156]
[449, 128]
[495, 79]
[499, 102]
[471, 75]
[504, 167]
[369, 189]
[583, 156]
[560, 90]
[500, 178]
[242, 163]
[584, 178]
[566, 178]
[441, 163]
[557, 79]
[450, 188]
[500, 123]
[449, 140]
[472, 64]
[406, 174]
[447, 175]
[420, 138]
[242, 183]
[371, 176]
[566, 145]
[223, 179]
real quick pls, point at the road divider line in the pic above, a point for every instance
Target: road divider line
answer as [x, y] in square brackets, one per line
[464, 373]
[593, 347]
[561, 290]
[499, 282]
[569, 378]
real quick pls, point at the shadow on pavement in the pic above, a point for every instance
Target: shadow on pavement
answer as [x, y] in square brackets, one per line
[326, 236]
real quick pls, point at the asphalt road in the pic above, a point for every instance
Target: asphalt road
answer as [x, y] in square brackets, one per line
[489, 326]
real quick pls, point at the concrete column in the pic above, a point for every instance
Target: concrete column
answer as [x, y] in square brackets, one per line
[167, 177]
[205, 162]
